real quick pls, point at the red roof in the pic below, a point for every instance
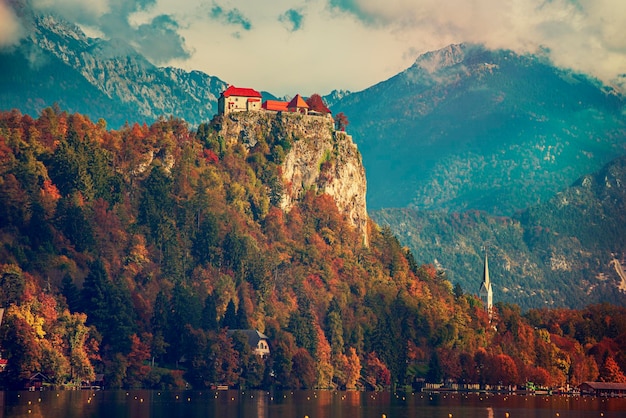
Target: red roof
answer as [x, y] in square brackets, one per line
[276, 105]
[298, 102]
[240, 91]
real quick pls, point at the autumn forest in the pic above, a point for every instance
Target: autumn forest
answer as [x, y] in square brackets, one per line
[130, 253]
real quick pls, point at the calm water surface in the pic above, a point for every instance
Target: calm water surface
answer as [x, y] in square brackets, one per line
[298, 404]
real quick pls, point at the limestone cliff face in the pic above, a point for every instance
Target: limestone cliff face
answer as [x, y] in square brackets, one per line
[319, 158]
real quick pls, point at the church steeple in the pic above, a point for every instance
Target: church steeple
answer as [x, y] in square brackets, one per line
[486, 293]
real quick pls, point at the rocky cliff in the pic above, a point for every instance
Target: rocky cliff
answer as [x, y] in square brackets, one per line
[318, 157]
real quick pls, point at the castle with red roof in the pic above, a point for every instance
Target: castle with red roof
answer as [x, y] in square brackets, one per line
[240, 99]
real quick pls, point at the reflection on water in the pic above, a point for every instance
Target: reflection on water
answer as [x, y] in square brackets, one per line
[298, 404]
[490, 412]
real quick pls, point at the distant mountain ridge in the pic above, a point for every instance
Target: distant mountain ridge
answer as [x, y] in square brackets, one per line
[568, 251]
[123, 86]
[469, 128]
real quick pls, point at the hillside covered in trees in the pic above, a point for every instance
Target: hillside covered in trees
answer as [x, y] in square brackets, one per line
[566, 252]
[131, 252]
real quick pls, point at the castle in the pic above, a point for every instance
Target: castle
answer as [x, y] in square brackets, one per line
[241, 99]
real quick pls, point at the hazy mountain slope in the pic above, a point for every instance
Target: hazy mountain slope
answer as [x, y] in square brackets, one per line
[120, 80]
[30, 87]
[468, 128]
[564, 252]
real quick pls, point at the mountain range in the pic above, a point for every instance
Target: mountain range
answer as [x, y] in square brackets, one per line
[467, 148]
[469, 128]
[568, 251]
[58, 63]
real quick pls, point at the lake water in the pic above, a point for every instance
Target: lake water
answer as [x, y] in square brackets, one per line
[299, 404]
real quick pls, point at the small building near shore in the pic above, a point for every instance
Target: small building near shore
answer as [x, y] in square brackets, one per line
[603, 389]
[36, 381]
[257, 340]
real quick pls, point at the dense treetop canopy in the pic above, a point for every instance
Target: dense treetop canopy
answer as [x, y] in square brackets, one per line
[131, 252]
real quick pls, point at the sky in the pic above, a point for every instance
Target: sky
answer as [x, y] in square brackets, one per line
[314, 46]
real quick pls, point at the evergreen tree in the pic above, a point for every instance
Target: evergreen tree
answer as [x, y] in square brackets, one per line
[109, 308]
[12, 285]
[72, 221]
[71, 293]
[301, 327]
[334, 326]
[230, 316]
[209, 314]
[183, 317]
[156, 202]
[435, 375]
[242, 318]
[206, 240]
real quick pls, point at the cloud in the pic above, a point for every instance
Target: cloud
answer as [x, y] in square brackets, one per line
[160, 40]
[11, 30]
[585, 35]
[361, 42]
[292, 18]
[230, 17]
[359, 9]
[156, 38]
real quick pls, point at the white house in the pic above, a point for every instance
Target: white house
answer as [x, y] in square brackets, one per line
[238, 99]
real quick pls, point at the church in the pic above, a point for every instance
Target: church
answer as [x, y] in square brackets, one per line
[486, 293]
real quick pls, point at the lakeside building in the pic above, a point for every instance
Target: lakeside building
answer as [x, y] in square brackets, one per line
[258, 341]
[603, 389]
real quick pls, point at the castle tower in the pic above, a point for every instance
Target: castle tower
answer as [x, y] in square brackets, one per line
[486, 293]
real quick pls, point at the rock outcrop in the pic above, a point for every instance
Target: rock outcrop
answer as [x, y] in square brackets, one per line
[319, 157]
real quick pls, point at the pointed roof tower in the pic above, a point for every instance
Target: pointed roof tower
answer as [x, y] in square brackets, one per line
[486, 293]
[297, 104]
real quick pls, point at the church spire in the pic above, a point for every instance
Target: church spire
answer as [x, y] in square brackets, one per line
[486, 293]
[486, 280]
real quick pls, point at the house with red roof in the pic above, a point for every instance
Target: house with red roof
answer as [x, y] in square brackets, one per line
[297, 104]
[275, 106]
[238, 99]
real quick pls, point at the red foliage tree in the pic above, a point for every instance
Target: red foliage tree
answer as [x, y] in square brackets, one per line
[316, 103]
[137, 369]
[303, 369]
[611, 372]
[503, 370]
[538, 375]
[450, 363]
[341, 121]
[375, 372]
[210, 156]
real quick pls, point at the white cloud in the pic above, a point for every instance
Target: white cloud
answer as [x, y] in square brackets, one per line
[11, 30]
[352, 44]
[75, 10]
[585, 35]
